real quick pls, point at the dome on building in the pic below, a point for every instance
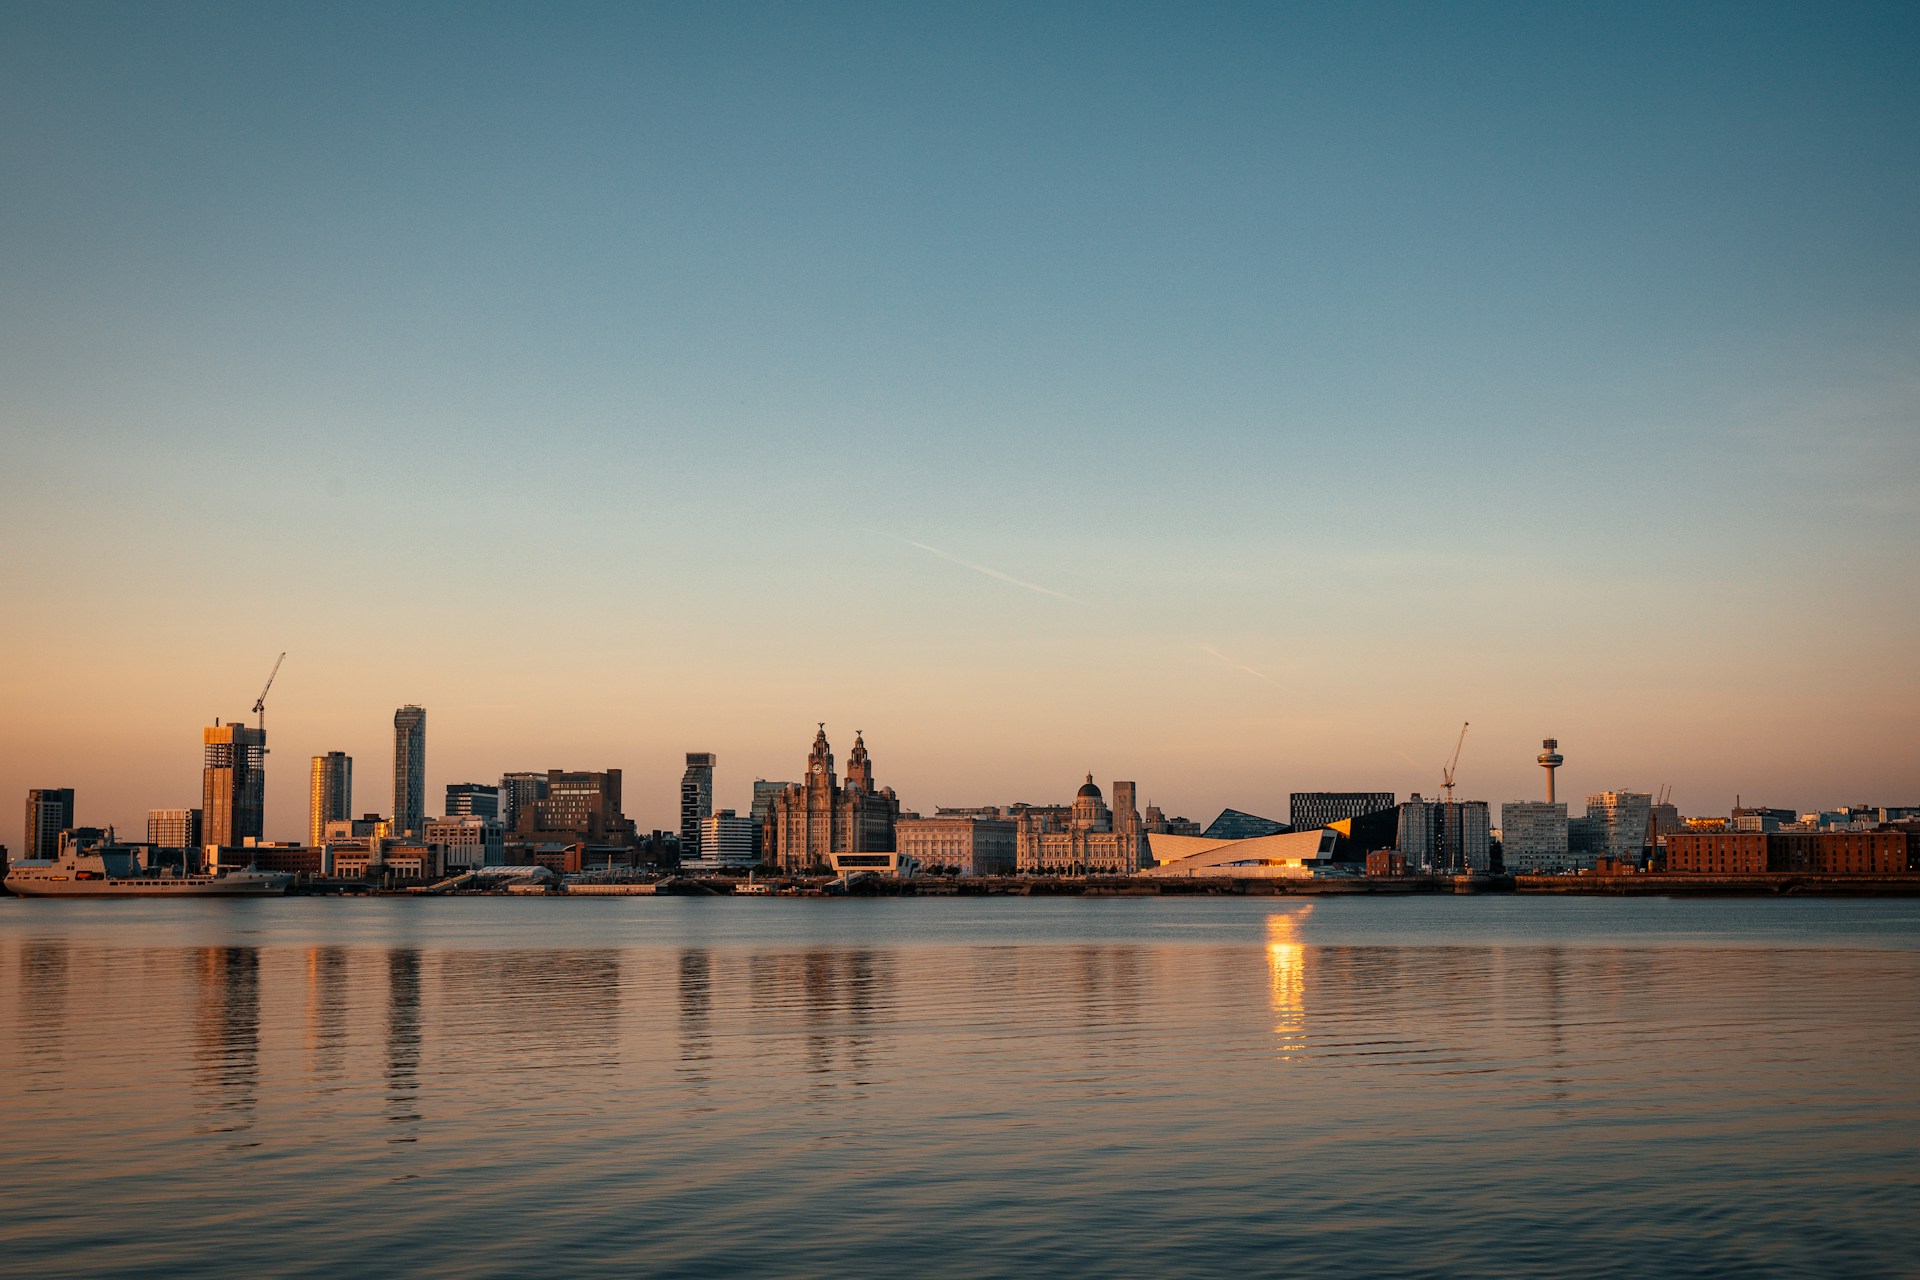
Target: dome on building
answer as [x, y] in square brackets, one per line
[1089, 789]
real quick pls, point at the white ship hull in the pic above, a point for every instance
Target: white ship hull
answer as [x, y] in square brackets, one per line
[238, 884]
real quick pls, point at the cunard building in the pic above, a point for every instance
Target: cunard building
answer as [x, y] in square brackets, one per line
[820, 823]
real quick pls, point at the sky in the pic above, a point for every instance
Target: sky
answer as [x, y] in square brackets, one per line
[1234, 399]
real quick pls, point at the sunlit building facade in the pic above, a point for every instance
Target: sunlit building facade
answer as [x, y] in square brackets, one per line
[968, 845]
[233, 784]
[174, 828]
[1091, 840]
[818, 818]
[726, 843]
[329, 793]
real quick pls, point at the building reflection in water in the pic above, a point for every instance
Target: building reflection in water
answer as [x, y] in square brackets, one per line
[696, 1016]
[227, 1038]
[546, 1010]
[403, 1042]
[44, 976]
[839, 996]
[327, 1012]
[1553, 978]
[1287, 979]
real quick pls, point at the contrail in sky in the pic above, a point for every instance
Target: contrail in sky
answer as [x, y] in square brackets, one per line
[1212, 652]
[994, 573]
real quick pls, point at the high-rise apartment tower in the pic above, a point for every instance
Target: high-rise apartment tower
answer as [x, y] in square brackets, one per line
[518, 793]
[696, 800]
[409, 771]
[49, 812]
[233, 784]
[329, 794]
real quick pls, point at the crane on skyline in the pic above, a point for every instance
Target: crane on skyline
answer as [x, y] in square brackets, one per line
[260, 703]
[1446, 772]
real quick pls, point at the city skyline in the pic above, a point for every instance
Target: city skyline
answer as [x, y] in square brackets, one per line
[1233, 404]
[737, 792]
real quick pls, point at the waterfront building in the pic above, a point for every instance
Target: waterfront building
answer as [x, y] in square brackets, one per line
[1533, 837]
[233, 784]
[1623, 820]
[726, 843]
[696, 800]
[970, 844]
[1288, 855]
[1089, 840]
[329, 793]
[1363, 835]
[879, 862]
[579, 806]
[1158, 824]
[765, 793]
[270, 855]
[818, 818]
[1883, 852]
[366, 827]
[518, 791]
[472, 800]
[409, 770]
[1309, 809]
[468, 841]
[1448, 837]
[49, 812]
[1232, 824]
[174, 828]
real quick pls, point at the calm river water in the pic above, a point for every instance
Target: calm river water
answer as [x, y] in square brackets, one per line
[681, 1086]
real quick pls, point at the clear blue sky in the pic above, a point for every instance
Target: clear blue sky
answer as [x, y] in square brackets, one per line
[618, 381]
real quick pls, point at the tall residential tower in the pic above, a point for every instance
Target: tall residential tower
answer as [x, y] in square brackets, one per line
[409, 771]
[233, 784]
[696, 800]
[329, 794]
[49, 812]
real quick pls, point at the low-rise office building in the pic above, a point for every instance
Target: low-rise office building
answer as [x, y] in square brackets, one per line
[726, 844]
[970, 846]
[468, 842]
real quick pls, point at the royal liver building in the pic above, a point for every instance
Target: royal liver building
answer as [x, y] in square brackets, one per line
[816, 818]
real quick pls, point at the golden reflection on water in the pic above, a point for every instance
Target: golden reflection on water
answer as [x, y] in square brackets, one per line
[1287, 978]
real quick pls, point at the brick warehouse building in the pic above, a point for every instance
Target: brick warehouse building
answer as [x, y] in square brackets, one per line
[1792, 852]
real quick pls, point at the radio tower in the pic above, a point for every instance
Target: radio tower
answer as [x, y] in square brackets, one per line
[1550, 759]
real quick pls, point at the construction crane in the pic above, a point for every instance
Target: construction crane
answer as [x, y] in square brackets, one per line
[260, 703]
[1446, 772]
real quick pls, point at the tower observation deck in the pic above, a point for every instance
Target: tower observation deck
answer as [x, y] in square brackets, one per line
[1550, 759]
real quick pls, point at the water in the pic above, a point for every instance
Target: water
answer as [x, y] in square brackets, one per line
[960, 1086]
